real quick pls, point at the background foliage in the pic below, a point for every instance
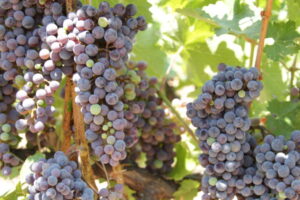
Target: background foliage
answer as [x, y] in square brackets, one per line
[184, 43]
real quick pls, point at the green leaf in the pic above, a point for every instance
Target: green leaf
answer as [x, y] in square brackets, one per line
[14, 194]
[274, 86]
[188, 190]
[10, 182]
[293, 10]
[129, 193]
[175, 4]
[146, 49]
[198, 57]
[283, 117]
[185, 163]
[244, 23]
[25, 170]
[284, 35]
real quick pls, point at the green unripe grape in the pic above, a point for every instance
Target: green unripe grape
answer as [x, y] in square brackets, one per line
[38, 66]
[104, 136]
[109, 124]
[41, 102]
[105, 127]
[126, 106]
[152, 121]
[4, 136]
[89, 63]
[103, 22]
[20, 81]
[95, 109]
[281, 195]
[13, 142]
[6, 128]
[112, 131]
[29, 84]
[129, 87]
[42, 2]
[1, 164]
[58, 63]
[210, 141]
[158, 164]
[121, 71]
[212, 181]
[130, 96]
[136, 79]
[131, 65]
[131, 73]
[242, 94]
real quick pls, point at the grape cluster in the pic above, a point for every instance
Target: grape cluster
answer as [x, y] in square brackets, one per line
[57, 178]
[7, 159]
[278, 160]
[8, 114]
[114, 193]
[8, 117]
[220, 115]
[98, 41]
[148, 129]
[23, 61]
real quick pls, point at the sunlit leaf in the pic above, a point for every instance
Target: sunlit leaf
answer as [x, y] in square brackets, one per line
[284, 35]
[188, 190]
[283, 117]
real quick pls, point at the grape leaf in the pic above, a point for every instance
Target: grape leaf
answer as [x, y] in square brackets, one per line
[274, 86]
[242, 15]
[198, 57]
[25, 170]
[185, 162]
[175, 4]
[283, 117]
[129, 193]
[146, 49]
[10, 182]
[188, 190]
[15, 194]
[293, 10]
[284, 35]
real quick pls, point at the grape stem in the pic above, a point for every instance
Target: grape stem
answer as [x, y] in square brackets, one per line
[102, 166]
[118, 173]
[266, 14]
[251, 55]
[293, 69]
[174, 111]
[67, 120]
[81, 143]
